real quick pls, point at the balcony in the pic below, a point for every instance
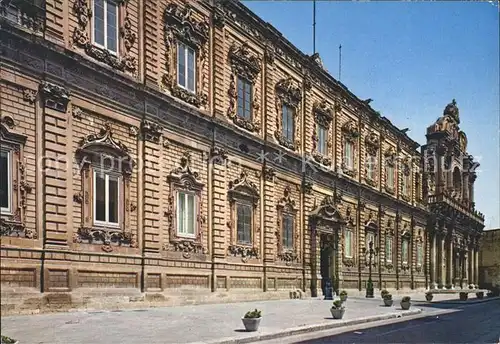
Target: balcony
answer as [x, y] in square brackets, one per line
[466, 209]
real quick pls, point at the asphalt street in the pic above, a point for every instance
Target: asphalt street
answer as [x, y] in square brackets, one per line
[475, 323]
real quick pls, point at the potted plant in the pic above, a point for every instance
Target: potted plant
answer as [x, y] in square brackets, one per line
[337, 309]
[251, 320]
[429, 296]
[383, 292]
[343, 296]
[471, 286]
[8, 340]
[406, 303]
[388, 300]
[464, 296]
[480, 294]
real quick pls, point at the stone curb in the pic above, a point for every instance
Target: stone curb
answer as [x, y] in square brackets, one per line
[459, 302]
[310, 328]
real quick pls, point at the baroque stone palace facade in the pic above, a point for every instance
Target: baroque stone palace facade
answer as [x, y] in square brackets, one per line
[167, 152]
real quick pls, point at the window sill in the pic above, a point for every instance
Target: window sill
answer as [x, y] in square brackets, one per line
[244, 251]
[322, 159]
[15, 228]
[106, 236]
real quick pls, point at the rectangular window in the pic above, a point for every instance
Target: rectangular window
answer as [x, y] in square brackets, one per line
[370, 167]
[186, 67]
[348, 155]
[404, 251]
[388, 249]
[244, 99]
[348, 243]
[105, 25]
[406, 183]
[186, 214]
[5, 181]
[244, 223]
[390, 176]
[420, 255]
[370, 237]
[288, 125]
[322, 133]
[106, 199]
[288, 231]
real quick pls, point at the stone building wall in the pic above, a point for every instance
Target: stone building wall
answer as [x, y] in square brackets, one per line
[489, 259]
[69, 105]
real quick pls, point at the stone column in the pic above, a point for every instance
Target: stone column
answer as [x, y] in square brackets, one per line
[433, 261]
[440, 265]
[449, 262]
[476, 266]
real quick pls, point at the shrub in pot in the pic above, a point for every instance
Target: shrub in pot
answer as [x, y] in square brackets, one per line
[429, 297]
[480, 295]
[388, 301]
[343, 296]
[406, 302]
[337, 309]
[251, 320]
[383, 292]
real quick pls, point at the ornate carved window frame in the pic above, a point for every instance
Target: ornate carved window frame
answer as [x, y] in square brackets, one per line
[389, 234]
[13, 222]
[98, 153]
[124, 59]
[286, 206]
[30, 15]
[350, 225]
[405, 238]
[420, 253]
[323, 116]
[372, 145]
[405, 180]
[371, 227]
[287, 93]
[185, 179]
[247, 66]
[390, 161]
[243, 191]
[349, 133]
[180, 26]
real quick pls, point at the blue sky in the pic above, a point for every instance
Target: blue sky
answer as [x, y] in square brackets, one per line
[412, 58]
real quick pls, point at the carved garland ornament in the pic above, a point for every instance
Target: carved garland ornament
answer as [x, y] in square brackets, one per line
[247, 66]
[286, 206]
[184, 178]
[81, 38]
[182, 27]
[323, 116]
[287, 93]
[243, 190]
[103, 150]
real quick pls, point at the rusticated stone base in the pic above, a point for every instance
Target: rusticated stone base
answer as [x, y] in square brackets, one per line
[15, 302]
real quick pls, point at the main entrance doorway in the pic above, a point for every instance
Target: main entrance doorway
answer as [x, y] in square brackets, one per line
[328, 263]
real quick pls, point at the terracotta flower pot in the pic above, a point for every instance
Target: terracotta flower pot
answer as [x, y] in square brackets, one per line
[405, 305]
[251, 324]
[337, 313]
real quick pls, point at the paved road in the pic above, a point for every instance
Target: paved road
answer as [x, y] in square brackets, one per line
[476, 323]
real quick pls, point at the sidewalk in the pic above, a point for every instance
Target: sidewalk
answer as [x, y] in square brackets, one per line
[220, 323]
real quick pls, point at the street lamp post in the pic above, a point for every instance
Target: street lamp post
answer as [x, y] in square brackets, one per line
[370, 254]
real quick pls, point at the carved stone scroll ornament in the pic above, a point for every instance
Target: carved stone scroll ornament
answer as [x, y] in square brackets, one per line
[323, 116]
[247, 66]
[289, 94]
[182, 27]
[244, 252]
[106, 237]
[54, 96]
[81, 38]
[218, 155]
[372, 143]
[151, 131]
